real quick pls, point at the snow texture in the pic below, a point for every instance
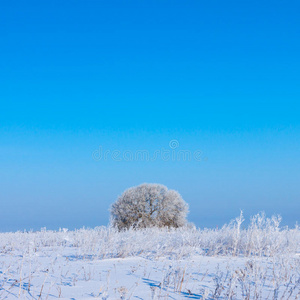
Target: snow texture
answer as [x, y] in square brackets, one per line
[259, 262]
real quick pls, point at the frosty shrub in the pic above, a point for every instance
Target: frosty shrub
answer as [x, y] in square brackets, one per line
[149, 205]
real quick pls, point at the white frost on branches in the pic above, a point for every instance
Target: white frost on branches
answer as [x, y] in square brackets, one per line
[149, 205]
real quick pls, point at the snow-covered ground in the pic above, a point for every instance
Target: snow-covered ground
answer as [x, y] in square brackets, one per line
[259, 262]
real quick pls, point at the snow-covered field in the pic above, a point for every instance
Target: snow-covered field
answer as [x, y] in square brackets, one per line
[258, 262]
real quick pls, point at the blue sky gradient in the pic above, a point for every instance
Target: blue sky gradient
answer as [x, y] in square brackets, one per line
[217, 76]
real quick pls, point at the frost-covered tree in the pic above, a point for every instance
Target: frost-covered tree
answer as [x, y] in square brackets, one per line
[149, 205]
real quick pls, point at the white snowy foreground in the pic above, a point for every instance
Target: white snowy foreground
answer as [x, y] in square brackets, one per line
[259, 262]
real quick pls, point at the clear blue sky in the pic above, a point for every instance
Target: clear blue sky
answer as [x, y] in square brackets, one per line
[219, 76]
